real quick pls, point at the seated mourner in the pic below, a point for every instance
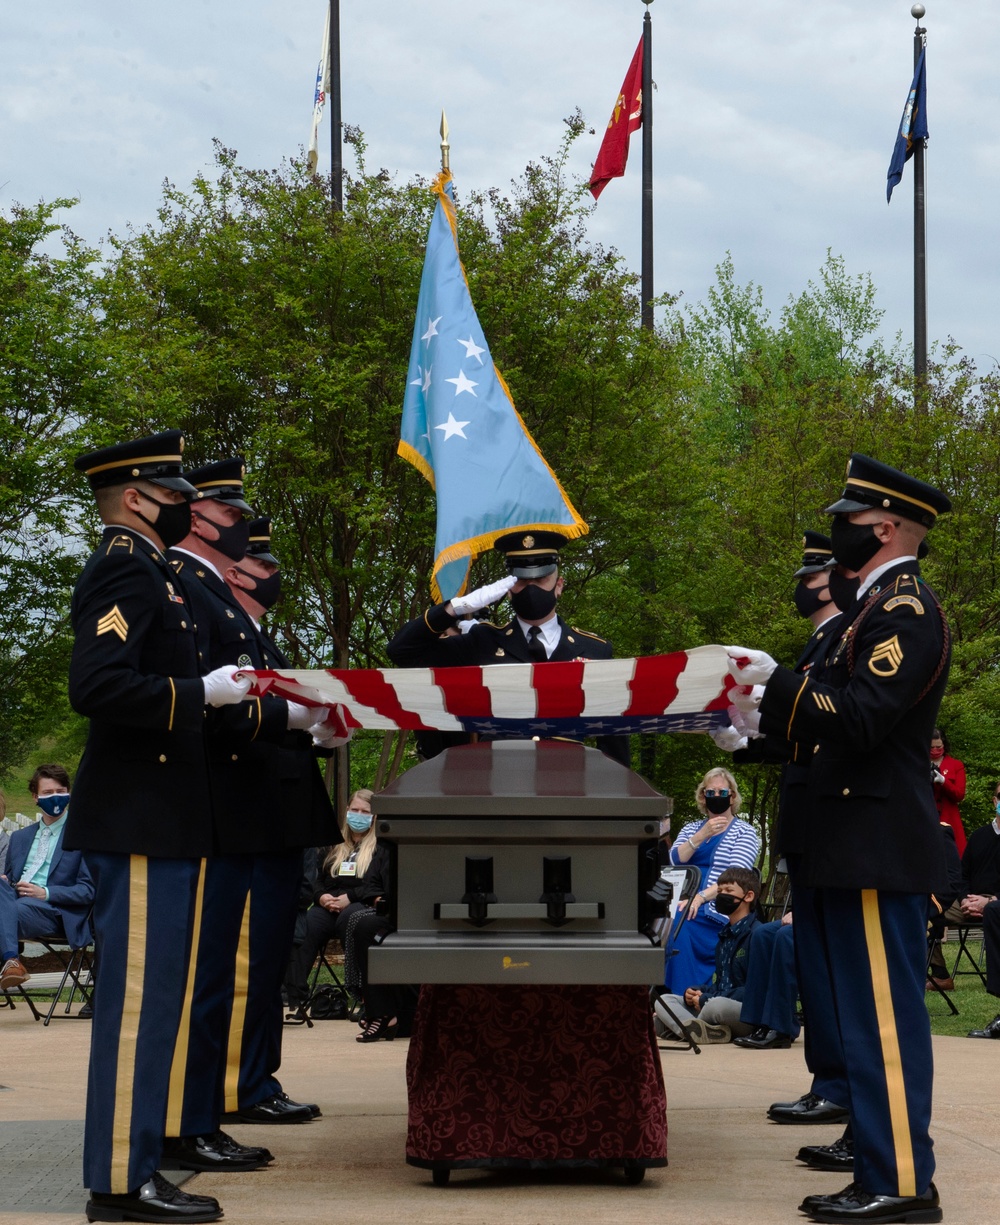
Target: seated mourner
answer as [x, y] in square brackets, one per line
[711, 1011]
[45, 892]
[353, 876]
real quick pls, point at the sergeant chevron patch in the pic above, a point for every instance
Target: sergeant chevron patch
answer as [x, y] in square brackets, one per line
[886, 657]
[113, 623]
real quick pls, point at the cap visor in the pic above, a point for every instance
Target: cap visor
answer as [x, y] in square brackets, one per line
[177, 483]
[268, 557]
[847, 506]
[813, 569]
[532, 571]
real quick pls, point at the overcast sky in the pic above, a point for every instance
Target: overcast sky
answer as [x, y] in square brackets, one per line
[774, 121]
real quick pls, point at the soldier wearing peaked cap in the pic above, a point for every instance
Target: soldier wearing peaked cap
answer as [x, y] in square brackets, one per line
[141, 812]
[241, 743]
[872, 848]
[535, 634]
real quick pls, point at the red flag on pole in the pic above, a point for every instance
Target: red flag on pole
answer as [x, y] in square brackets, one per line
[625, 119]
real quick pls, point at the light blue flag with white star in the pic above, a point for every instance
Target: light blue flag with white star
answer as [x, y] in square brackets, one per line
[460, 427]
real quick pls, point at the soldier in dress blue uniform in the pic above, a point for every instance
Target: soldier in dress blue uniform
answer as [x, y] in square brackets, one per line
[245, 795]
[821, 591]
[536, 633]
[141, 813]
[302, 817]
[872, 848]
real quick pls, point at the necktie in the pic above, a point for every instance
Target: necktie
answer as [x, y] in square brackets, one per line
[536, 647]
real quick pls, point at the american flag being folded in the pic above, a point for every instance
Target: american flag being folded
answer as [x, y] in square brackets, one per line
[686, 691]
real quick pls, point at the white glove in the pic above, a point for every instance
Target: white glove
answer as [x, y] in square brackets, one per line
[300, 717]
[746, 699]
[226, 686]
[750, 667]
[331, 731]
[728, 739]
[464, 626]
[746, 722]
[482, 597]
[938, 776]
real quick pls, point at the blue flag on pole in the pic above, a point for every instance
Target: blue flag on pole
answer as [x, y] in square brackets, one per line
[912, 127]
[460, 427]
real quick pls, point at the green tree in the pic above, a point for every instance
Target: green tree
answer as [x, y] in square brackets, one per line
[51, 379]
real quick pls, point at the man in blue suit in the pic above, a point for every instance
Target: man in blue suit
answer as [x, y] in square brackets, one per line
[45, 891]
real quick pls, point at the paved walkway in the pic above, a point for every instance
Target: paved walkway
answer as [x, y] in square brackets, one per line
[727, 1163]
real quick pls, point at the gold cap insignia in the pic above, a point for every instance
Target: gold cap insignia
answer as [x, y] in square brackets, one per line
[528, 542]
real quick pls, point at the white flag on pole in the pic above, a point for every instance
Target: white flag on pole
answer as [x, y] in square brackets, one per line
[319, 97]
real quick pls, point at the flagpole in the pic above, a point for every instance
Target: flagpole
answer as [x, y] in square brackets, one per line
[336, 119]
[919, 235]
[445, 147]
[647, 170]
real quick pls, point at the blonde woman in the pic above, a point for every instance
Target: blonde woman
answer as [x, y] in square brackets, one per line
[718, 841]
[352, 876]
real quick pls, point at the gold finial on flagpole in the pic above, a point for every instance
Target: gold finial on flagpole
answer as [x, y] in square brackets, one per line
[445, 147]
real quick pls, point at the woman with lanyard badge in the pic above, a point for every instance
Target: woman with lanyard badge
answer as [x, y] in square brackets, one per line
[354, 875]
[719, 841]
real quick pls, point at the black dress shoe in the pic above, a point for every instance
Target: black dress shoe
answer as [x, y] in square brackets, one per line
[808, 1109]
[313, 1109]
[854, 1204]
[764, 1039]
[212, 1152]
[990, 1031]
[277, 1109]
[836, 1156]
[155, 1200]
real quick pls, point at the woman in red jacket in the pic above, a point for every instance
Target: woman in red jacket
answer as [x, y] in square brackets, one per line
[948, 775]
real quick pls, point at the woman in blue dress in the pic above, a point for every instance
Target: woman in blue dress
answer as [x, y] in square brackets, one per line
[717, 842]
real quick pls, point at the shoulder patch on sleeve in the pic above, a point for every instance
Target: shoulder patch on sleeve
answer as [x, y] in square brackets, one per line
[113, 623]
[904, 601]
[120, 543]
[587, 634]
[886, 657]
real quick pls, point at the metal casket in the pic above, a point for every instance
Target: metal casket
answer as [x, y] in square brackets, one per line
[519, 862]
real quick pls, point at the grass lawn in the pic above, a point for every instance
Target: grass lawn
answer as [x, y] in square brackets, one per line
[975, 1007]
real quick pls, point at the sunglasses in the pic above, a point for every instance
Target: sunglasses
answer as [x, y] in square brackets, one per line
[723, 792]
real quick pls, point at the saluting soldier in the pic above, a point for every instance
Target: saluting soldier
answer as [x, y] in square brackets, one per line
[872, 848]
[536, 633]
[142, 814]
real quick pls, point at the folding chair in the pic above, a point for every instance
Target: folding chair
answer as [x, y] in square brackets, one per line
[778, 895]
[7, 1000]
[325, 960]
[934, 932]
[78, 971]
[685, 882]
[964, 930]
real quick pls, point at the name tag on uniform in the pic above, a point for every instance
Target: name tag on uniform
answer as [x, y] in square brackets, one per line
[348, 868]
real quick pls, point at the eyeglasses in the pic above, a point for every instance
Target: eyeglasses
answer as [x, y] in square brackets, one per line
[723, 792]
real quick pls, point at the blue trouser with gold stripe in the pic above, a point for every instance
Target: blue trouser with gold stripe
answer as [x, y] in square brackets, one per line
[876, 950]
[241, 950]
[254, 1043]
[824, 1052]
[145, 911]
[217, 978]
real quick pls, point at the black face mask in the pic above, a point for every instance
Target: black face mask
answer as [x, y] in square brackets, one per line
[728, 903]
[268, 590]
[233, 540]
[718, 804]
[532, 603]
[172, 523]
[809, 600]
[843, 590]
[853, 544]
